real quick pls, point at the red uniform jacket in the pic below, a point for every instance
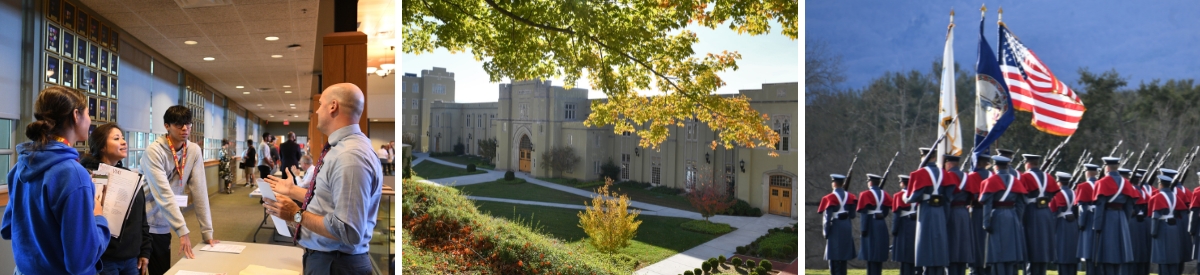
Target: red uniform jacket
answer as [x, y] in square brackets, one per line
[1031, 183]
[1108, 187]
[898, 202]
[996, 185]
[831, 200]
[1194, 198]
[1060, 200]
[1159, 202]
[920, 179]
[866, 200]
[1085, 192]
[1144, 193]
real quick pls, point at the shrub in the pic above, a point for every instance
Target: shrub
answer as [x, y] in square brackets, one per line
[689, 272]
[741, 250]
[508, 175]
[706, 266]
[751, 263]
[760, 270]
[736, 261]
[755, 212]
[698, 271]
[709, 199]
[765, 264]
[706, 227]
[623, 259]
[459, 149]
[607, 221]
[610, 170]
[407, 173]
[560, 159]
[471, 167]
[779, 245]
[721, 259]
[666, 190]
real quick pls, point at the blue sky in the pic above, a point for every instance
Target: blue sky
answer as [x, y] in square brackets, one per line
[1142, 40]
[771, 58]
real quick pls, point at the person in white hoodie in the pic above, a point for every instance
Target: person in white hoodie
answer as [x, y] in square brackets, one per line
[171, 165]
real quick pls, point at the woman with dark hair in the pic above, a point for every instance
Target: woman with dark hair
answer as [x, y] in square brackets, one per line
[224, 172]
[130, 253]
[53, 219]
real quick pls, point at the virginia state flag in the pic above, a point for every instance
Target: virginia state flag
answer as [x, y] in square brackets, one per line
[993, 108]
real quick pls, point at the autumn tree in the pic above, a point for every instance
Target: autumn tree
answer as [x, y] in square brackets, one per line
[607, 220]
[560, 159]
[621, 47]
[708, 196]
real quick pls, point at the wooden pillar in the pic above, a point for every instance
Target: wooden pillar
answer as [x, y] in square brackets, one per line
[344, 60]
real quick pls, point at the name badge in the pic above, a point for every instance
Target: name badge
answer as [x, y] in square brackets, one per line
[181, 201]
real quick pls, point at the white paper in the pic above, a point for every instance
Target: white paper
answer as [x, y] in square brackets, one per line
[267, 193]
[185, 272]
[224, 248]
[121, 191]
[181, 201]
[262, 270]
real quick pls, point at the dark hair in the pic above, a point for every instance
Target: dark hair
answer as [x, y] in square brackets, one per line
[250, 142]
[54, 111]
[266, 135]
[224, 142]
[177, 115]
[99, 138]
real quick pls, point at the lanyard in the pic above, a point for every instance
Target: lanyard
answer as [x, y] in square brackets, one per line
[179, 162]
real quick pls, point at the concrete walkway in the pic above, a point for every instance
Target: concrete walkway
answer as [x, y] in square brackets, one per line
[748, 228]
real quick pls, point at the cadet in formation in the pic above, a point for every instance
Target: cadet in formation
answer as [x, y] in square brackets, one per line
[1115, 198]
[1038, 219]
[1002, 198]
[874, 204]
[974, 184]
[929, 188]
[962, 235]
[838, 211]
[1182, 192]
[1165, 228]
[1086, 208]
[1193, 227]
[904, 230]
[1139, 226]
[1066, 227]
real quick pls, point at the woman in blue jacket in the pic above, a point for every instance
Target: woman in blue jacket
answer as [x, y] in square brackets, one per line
[53, 220]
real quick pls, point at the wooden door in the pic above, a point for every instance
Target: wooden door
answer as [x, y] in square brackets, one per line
[525, 160]
[780, 201]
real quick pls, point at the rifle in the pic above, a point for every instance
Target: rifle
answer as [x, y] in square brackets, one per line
[933, 148]
[888, 171]
[1139, 160]
[1183, 174]
[1161, 161]
[1078, 164]
[1114, 149]
[850, 173]
[1054, 153]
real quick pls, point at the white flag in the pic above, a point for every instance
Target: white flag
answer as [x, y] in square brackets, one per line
[948, 107]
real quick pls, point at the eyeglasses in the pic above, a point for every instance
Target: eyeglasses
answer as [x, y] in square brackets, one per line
[189, 125]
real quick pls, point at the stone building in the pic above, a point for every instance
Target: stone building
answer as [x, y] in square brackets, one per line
[534, 116]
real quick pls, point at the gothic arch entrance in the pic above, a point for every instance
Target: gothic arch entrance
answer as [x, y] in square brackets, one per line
[525, 154]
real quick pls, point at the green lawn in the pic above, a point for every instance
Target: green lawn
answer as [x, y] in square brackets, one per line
[657, 237]
[479, 162]
[635, 193]
[520, 190]
[432, 170]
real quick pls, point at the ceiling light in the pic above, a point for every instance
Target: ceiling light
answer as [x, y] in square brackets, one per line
[287, 92]
[272, 38]
[272, 115]
[277, 56]
[293, 107]
[209, 59]
[382, 73]
[239, 87]
[292, 104]
[245, 93]
[375, 120]
[190, 42]
[371, 70]
[287, 86]
[260, 104]
[387, 66]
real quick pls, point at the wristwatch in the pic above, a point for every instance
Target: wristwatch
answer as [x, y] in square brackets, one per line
[298, 216]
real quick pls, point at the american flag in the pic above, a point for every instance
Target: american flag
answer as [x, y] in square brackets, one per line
[1056, 108]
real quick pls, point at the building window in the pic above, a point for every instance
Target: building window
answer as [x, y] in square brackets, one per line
[523, 92]
[414, 120]
[691, 129]
[6, 148]
[439, 89]
[655, 175]
[479, 121]
[570, 139]
[626, 133]
[625, 166]
[414, 103]
[596, 166]
[468, 120]
[783, 129]
[437, 121]
[414, 88]
[570, 111]
[524, 109]
[781, 181]
[691, 176]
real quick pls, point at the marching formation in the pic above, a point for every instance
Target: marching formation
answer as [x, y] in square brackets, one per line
[1103, 220]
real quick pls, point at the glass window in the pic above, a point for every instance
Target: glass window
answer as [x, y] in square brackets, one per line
[439, 89]
[7, 154]
[570, 111]
[655, 175]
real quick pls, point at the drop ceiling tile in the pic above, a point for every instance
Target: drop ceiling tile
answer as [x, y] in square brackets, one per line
[149, 5]
[177, 31]
[126, 20]
[144, 33]
[270, 11]
[216, 14]
[223, 29]
[229, 40]
[268, 27]
[245, 56]
[164, 17]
